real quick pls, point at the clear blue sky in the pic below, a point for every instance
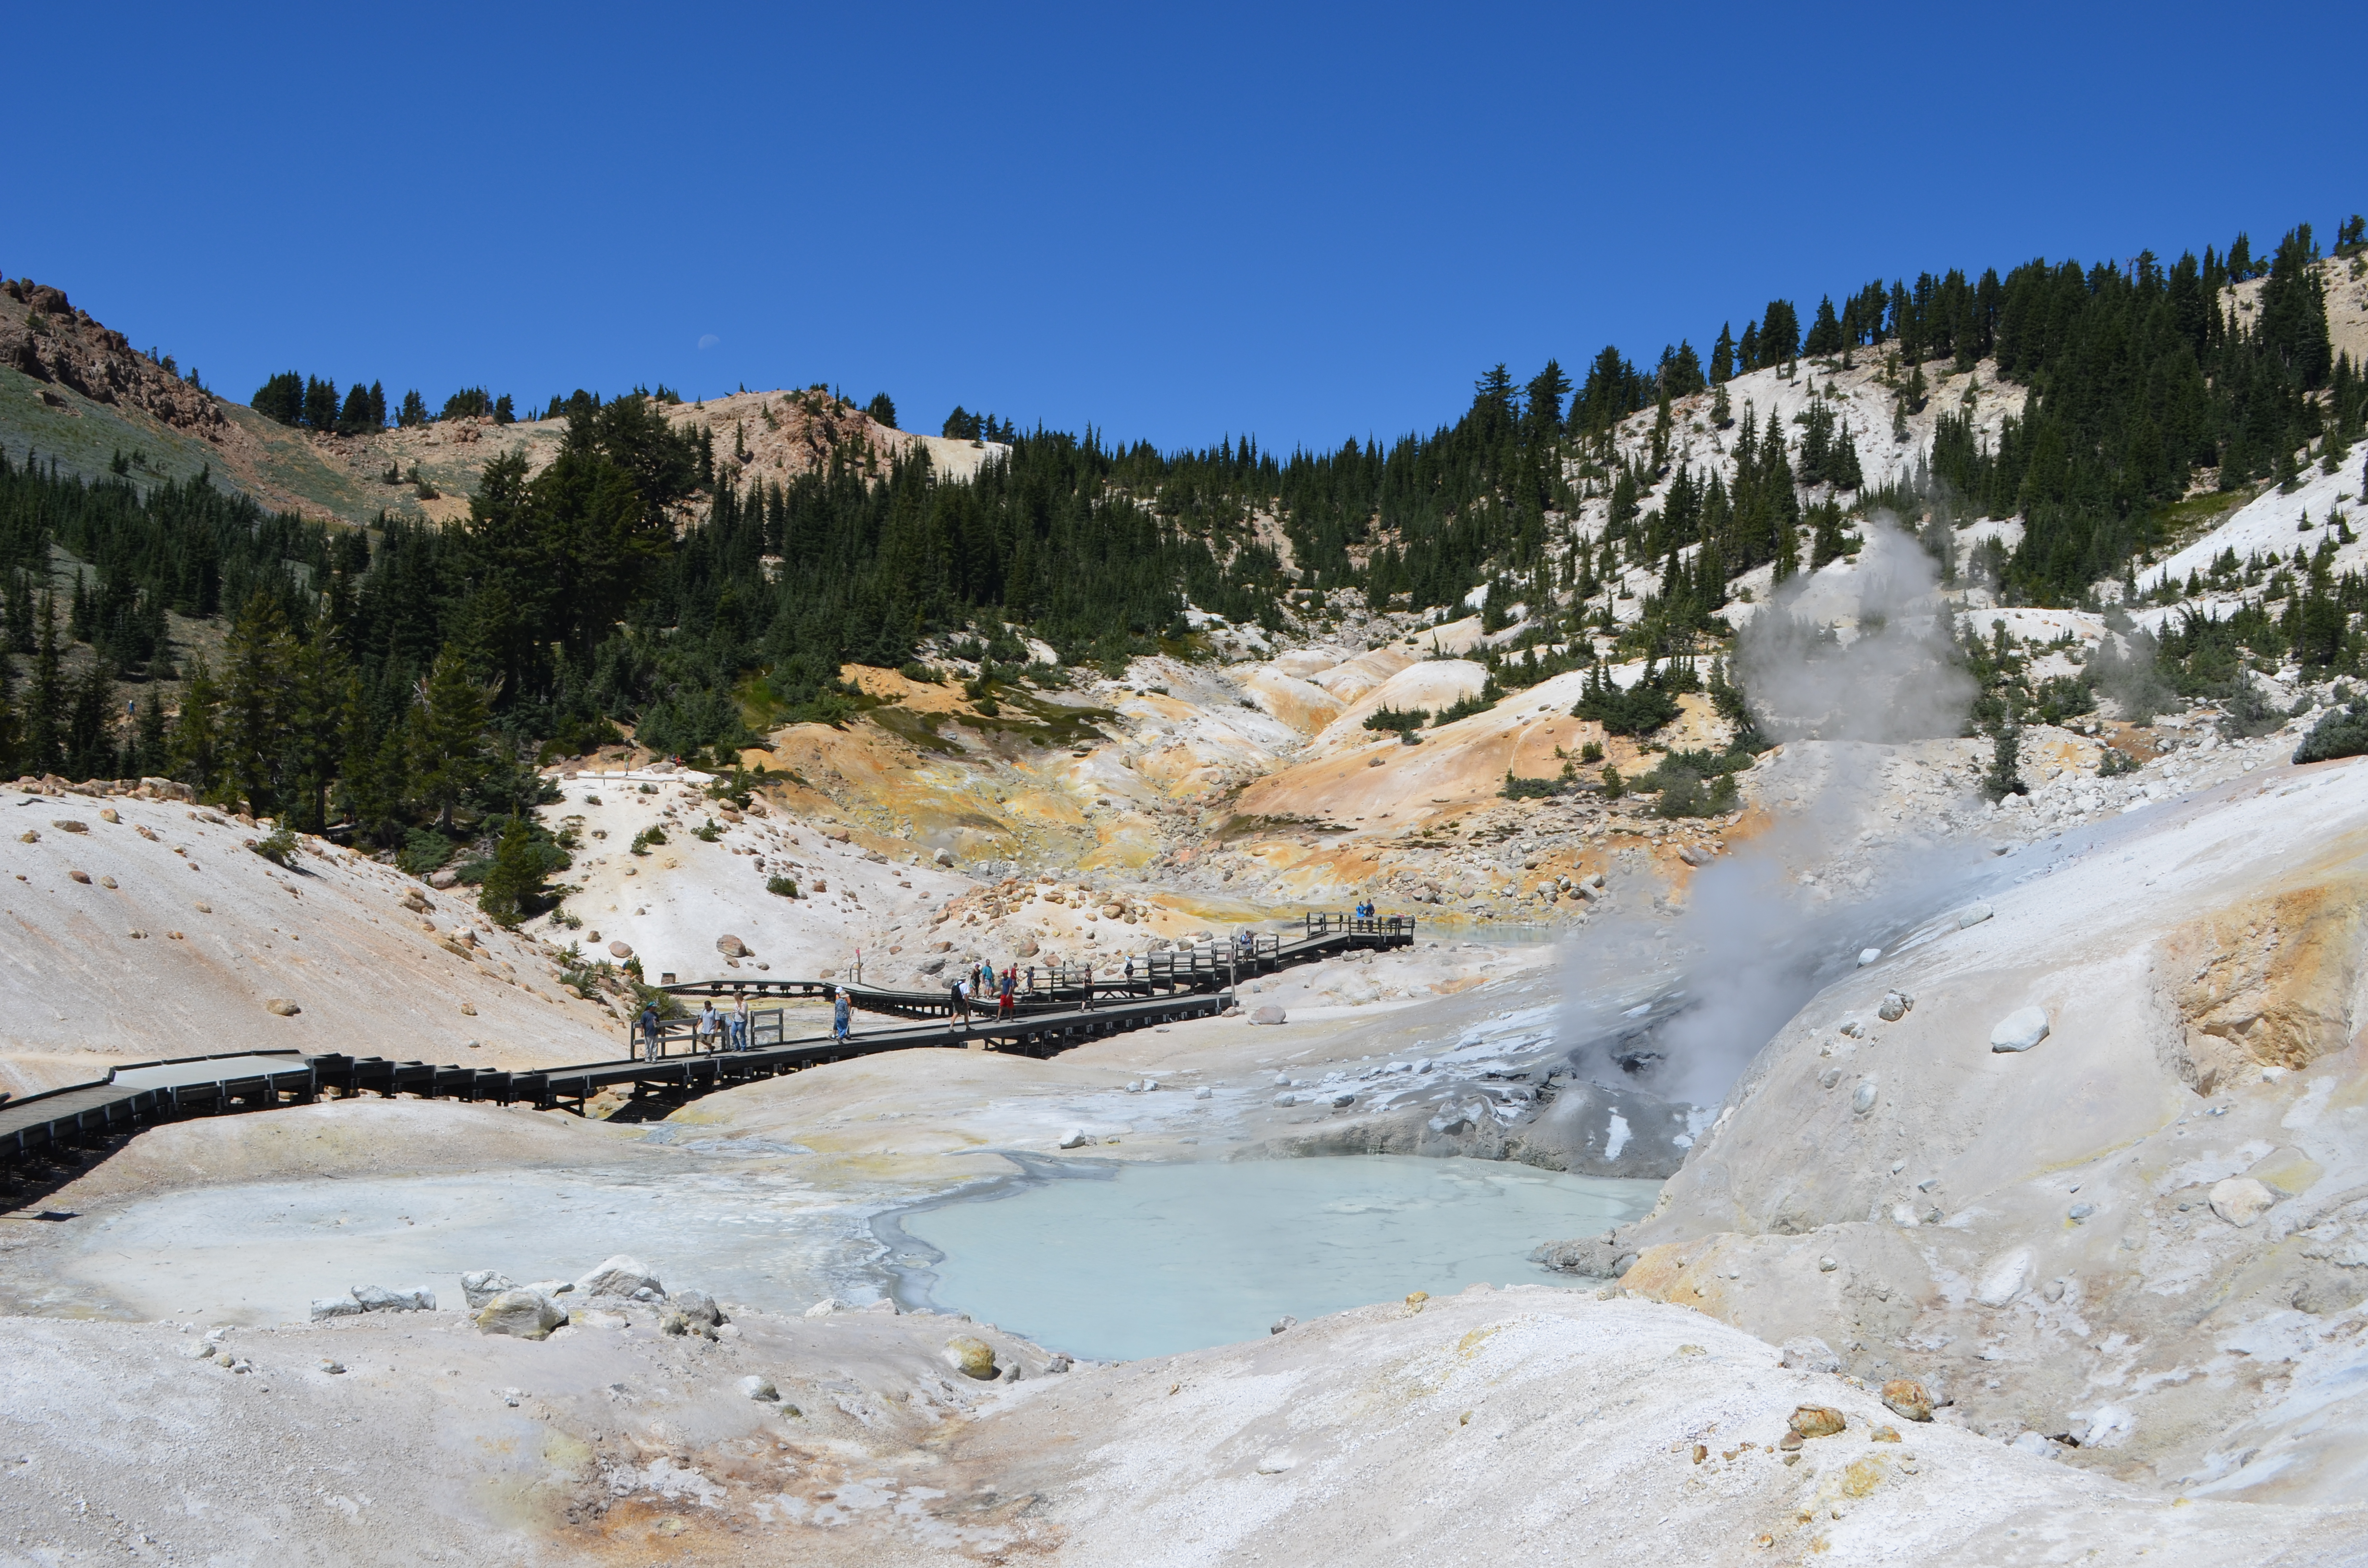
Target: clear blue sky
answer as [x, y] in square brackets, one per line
[1170, 222]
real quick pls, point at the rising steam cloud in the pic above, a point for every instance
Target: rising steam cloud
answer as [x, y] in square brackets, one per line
[1844, 661]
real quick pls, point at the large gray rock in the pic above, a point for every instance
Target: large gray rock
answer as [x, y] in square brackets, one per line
[1810, 1353]
[336, 1307]
[1598, 1257]
[481, 1284]
[521, 1314]
[1269, 1014]
[696, 1304]
[2241, 1201]
[379, 1298]
[622, 1275]
[2020, 1030]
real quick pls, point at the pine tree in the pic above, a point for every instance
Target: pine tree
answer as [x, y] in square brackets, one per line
[1825, 338]
[257, 704]
[446, 736]
[513, 886]
[1721, 358]
[196, 748]
[45, 703]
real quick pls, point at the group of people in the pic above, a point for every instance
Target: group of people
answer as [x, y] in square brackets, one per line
[713, 1030]
[977, 984]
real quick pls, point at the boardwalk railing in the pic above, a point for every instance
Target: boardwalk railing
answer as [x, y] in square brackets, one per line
[1063, 1008]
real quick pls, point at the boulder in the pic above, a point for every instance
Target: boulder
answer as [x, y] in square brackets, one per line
[2241, 1201]
[1075, 1137]
[1895, 1006]
[696, 1304]
[1269, 1014]
[823, 1307]
[1972, 914]
[2004, 1277]
[1868, 955]
[281, 1007]
[731, 947]
[942, 857]
[1862, 1099]
[336, 1307]
[521, 1314]
[379, 1298]
[1814, 1421]
[759, 1388]
[2020, 1030]
[620, 1276]
[1810, 1353]
[1905, 1397]
[972, 1356]
[1283, 1324]
[442, 878]
[621, 951]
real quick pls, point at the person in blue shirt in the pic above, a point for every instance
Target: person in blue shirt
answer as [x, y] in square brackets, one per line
[838, 1015]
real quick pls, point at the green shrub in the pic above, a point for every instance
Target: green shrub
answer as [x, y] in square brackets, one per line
[784, 887]
[2112, 762]
[707, 832]
[1592, 752]
[423, 849]
[278, 847]
[2343, 732]
[647, 837]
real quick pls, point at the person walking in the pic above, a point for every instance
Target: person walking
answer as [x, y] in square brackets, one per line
[649, 1034]
[958, 1004]
[1006, 1002]
[740, 1022]
[838, 1009]
[710, 1021]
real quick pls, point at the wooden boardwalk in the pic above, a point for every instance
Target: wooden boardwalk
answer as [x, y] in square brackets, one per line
[1070, 1009]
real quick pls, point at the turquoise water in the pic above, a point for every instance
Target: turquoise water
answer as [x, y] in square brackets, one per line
[1148, 1260]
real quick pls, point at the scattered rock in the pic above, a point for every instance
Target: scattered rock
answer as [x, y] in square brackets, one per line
[481, 1284]
[68, 824]
[1284, 1323]
[1075, 1137]
[335, 1307]
[1894, 1008]
[82, 877]
[281, 1007]
[1205, 1093]
[759, 1388]
[1814, 1421]
[1884, 1434]
[203, 907]
[2003, 1280]
[1810, 1353]
[620, 1276]
[2079, 1211]
[2241, 1201]
[1972, 914]
[28, 836]
[1059, 1363]
[1907, 1398]
[1415, 1300]
[731, 947]
[442, 878]
[2020, 1030]
[469, 1010]
[942, 857]
[1269, 1014]
[1027, 947]
[1826, 1265]
[1863, 1097]
[107, 882]
[1868, 955]
[823, 1307]
[972, 1356]
[521, 1314]
[1597, 1256]
[621, 950]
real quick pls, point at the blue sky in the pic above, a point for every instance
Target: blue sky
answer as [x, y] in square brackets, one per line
[1170, 223]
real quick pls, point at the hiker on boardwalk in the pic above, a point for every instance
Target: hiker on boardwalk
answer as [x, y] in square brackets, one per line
[710, 1021]
[649, 1034]
[1006, 1004]
[958, 1003]
[838, 1015]
[740, 1024]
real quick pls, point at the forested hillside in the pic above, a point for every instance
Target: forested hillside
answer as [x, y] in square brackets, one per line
[406, 677]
